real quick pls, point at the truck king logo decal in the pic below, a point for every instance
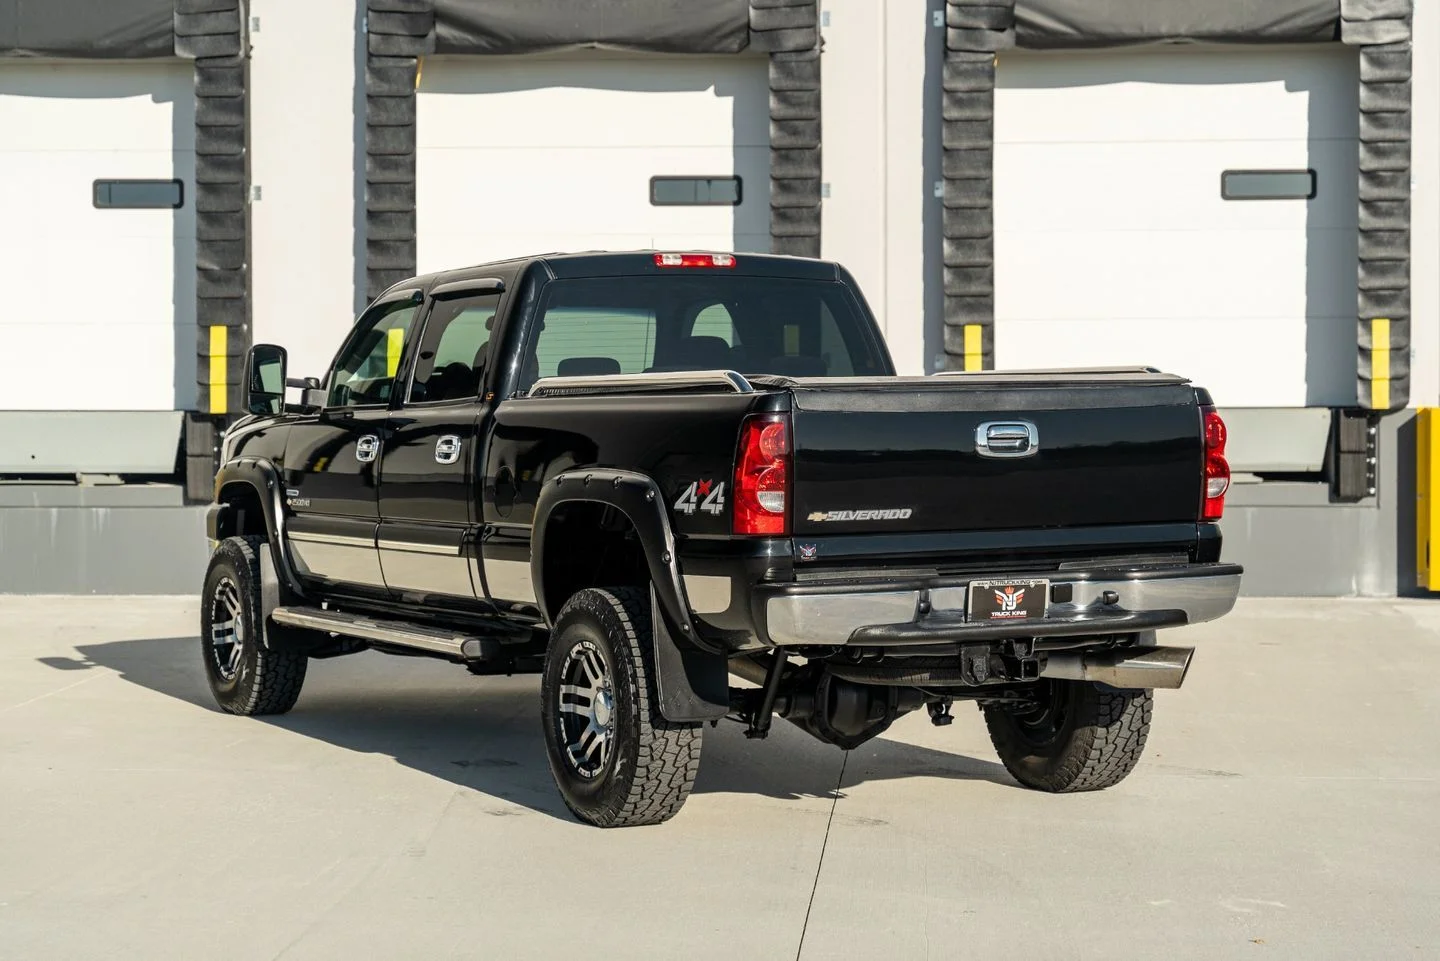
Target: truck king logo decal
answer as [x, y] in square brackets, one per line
[1009, 599]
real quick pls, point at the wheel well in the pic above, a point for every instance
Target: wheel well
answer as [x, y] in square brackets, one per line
[590, 545]
[246, 514]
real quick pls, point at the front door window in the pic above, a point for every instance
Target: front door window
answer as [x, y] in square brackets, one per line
[366, 370]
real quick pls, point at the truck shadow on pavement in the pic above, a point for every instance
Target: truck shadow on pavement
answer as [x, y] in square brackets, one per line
[483, 733]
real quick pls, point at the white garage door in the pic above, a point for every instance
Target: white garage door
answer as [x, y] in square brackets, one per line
[525, 155]
[1114, 242]
[89, 157]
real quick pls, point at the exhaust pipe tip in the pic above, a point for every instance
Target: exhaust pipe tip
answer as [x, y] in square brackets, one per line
[1144, 667]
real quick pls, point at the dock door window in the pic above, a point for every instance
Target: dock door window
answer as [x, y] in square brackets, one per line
[1267, 185]
[139, 194]
[695, 191]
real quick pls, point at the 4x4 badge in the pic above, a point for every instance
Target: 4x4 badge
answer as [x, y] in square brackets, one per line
[714, 494]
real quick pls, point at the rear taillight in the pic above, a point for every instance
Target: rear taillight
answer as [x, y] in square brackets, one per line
[1217, 468]
[694, 260]
[762, 476]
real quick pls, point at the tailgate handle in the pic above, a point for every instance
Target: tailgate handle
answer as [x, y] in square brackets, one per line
[1006, 438]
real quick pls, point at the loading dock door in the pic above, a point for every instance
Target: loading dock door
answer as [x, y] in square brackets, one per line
[524, 155]
[1153, 207]
[98, 259]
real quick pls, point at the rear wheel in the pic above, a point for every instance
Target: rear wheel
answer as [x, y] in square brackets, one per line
[616, 760]
[245, 676]
[1078, 736]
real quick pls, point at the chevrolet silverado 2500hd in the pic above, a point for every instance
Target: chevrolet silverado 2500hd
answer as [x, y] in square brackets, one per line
[641, 475]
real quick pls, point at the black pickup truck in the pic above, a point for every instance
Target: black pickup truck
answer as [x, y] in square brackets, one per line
[642, 474]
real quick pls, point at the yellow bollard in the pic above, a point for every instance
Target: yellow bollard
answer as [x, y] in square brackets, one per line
[1427, 515]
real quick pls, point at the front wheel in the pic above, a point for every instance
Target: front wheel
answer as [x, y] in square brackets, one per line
[1076, 736]
[616, 760]
[245, 676]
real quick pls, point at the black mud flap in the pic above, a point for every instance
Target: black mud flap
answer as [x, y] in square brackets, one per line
[269, 595]
[694, 685]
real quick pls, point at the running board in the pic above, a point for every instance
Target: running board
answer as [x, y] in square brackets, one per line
[400, 633]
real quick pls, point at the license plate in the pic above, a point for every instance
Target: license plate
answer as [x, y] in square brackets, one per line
[1008, 600]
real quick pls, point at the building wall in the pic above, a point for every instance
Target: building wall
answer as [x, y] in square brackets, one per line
[304, 236]
[880, 124]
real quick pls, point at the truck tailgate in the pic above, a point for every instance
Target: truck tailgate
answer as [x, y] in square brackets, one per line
[900, 454]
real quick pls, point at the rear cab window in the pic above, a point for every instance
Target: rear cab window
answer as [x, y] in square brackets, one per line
[712, 321]
[579, 340]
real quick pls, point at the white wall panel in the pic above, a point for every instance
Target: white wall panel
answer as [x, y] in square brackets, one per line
[116, 304]
[303, 159]
[854, 78]
[879, 71]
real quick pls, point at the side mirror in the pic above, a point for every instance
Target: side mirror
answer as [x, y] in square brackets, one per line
[312, 395]
[265, 379]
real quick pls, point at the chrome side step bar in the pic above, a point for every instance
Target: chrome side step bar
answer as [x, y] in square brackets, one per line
[400, 633]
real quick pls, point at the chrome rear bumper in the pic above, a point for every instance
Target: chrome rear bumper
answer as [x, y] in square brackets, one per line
[876, 614]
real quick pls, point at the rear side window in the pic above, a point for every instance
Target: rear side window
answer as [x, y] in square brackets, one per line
[455, 349]
[465, 337]
[700, 321]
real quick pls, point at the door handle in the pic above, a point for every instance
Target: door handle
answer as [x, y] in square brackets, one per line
[366, 448]
[996, 438]
[447, 449]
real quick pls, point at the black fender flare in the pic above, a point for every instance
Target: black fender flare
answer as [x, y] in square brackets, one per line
[278, 578]
[692, 673]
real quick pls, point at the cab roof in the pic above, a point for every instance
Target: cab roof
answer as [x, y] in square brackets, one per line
[605, 263]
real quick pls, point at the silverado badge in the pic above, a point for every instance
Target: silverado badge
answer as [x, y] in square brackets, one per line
[891, 514]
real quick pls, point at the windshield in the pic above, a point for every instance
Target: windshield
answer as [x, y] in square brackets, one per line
[754, 325]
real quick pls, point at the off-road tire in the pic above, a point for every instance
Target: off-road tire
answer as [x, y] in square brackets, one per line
[1095, 743]
[652, 762]
[266, 681]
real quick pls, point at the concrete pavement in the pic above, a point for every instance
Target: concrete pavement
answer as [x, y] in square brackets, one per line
[1286, 808]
